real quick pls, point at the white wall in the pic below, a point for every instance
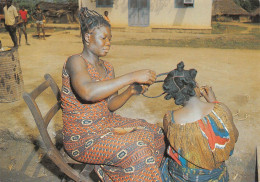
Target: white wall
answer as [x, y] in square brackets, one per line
[118, 14]
[167, 13]
[163, 13]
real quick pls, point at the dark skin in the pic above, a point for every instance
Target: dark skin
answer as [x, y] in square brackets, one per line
[40, 26]
[22, 29]
[195, 109]
[8, 3]
[96, 45]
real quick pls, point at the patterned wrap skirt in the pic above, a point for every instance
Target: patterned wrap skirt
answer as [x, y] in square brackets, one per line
[134, 156]
[172, 171]
[88, 137]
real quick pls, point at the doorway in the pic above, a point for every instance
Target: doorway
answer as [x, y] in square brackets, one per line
[138, 13]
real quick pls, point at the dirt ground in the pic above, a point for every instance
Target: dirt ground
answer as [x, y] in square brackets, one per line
[233, 74]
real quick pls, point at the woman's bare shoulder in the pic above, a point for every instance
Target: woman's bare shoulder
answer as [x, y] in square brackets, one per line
[226, 109]
[74, 58]
[75, 63]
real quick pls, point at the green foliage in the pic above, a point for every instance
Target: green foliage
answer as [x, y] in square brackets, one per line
[224, 36]
[221, 43]
[219, 28]
[29, 5]
[248, 5]
[255, 32]
[254, 4]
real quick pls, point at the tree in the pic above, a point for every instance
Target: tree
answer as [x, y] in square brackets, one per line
[254, 4]
[248, 5]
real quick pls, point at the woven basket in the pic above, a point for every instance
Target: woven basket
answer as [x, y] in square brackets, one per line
[11, 80]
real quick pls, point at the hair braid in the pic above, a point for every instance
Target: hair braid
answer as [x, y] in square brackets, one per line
[89, 20]
[179, 84]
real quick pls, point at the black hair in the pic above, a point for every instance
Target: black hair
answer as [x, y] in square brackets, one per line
[105, 13]
[179, 84]
[89, 20]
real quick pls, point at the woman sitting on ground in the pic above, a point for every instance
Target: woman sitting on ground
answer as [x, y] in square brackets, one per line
[202, 135]
[123, 149]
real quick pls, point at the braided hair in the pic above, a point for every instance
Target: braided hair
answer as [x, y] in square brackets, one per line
[89, 20]
[179, 84]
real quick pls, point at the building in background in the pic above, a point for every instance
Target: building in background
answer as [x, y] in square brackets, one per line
[255, 15]
[183, 14]
[228, 10]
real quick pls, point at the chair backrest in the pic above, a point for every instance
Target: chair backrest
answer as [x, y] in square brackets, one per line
[42, 123]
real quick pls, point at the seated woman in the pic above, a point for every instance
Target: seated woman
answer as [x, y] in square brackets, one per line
[123, 149]
[202, 135]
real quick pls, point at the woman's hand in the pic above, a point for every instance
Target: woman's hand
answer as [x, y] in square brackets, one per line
[208, 93]
[144, 76]
[122, 131]
[137, 89]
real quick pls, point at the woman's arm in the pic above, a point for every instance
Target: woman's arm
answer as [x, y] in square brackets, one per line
[166, 122]
[208, 94]
[93, 91]
[118, 101]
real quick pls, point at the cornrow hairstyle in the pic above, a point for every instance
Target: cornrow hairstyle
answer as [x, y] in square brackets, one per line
[179, 84]
[89, 20]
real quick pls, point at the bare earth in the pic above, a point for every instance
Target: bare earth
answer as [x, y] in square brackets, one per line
[233, 74]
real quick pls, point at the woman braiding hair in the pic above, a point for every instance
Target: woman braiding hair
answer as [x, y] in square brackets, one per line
[122, 149]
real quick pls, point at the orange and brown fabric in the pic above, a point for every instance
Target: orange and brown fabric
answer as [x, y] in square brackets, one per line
[204, 144]
[89, 137]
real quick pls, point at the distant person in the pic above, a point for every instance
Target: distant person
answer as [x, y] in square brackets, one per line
[11, 17]
[21, 28]
[39, 17]
[106, 16]
[1, 48]
[23, 12]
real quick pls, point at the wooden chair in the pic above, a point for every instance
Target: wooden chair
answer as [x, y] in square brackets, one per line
[60, 158]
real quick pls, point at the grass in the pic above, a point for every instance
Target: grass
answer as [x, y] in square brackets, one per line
[220, 43]
[231, 39]
[255, 32]
[218, 28]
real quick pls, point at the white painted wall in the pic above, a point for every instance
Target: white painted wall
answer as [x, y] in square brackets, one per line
[163, 13]
[166, 13]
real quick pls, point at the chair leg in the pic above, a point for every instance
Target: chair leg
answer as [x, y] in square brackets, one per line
[66, 179]
[87, 171]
